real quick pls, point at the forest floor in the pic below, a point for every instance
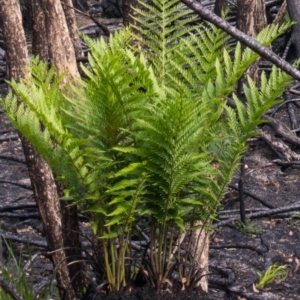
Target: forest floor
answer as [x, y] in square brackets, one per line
[234, 249]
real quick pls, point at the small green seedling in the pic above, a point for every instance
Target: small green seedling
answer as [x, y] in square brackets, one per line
[274, 272]
[248, 228]
[294, 216]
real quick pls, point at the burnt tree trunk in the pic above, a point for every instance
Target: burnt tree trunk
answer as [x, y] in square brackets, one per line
[251, 19]
[251, 16]
[220, 6]
[60, 47]
[39, 34]
[72, 25]
[42, 181]
[128, 11]
[294, 12]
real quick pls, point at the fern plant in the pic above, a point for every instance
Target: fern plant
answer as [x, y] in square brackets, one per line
[148, 137]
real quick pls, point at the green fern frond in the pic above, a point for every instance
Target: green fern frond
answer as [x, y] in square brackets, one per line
[160, 26]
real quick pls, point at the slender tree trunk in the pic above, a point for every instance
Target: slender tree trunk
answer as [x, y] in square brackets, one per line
[251, 16]
[14, 38]
[39, 34]
[200, 251]
[128, 11]
[42, 44]
[60, 47]
[72, 25]
[42, 180]
[251, 19]
[220, 6]
[294, 12]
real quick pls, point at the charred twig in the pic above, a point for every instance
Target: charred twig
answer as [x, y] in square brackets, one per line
[10, 207]
[25, 240]
[291, 111]
[281, 131]
[99, 24]
[241, 192]
[294, 89]
[273, 3]
[240, 290]
[280, 14]
[229, 275]
[10, 137]
[20, 184]
[16, 158]
[263, 202]
[223, 213]
[258, 250]
[282, 163]
[242, 37]
[270, 212]
[21, 216]
[9, 289]
[284, 103]
[287, 48]
[279, 147]
[7, 130]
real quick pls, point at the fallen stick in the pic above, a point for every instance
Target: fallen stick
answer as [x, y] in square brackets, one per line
[243, 38]
[264, 213]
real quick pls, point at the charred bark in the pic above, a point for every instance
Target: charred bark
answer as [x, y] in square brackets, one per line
[128, 11]
[39, 34]
[14, 38]
[294, 12]
[243, 38]
[9, 289]
[72, 25]
[47, 199]
[41, 177]
[251, 16]
[60, 47]
[220, 6]
[62, 51]
[251, 19]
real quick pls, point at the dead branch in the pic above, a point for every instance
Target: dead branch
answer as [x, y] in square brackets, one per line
[99, 24]
[229, 275]
[282, 132]
[25, 240]
[9, 289]
[10, 137]
[254, 197]
[279, 147]
[270, 212]
[243, 38]
[11, 206]
[18, 183]
[21, 216]
[282, 11]
[240, 290]
[248, 246]
[16, 158]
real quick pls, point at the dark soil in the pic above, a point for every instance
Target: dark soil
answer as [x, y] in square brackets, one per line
[167, 292]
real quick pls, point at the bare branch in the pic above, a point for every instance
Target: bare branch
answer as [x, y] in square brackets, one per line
[243, 38]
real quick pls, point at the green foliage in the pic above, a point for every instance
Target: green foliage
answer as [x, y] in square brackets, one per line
[148, 134]
[248, 228]
[273, 273]
[15, 274]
